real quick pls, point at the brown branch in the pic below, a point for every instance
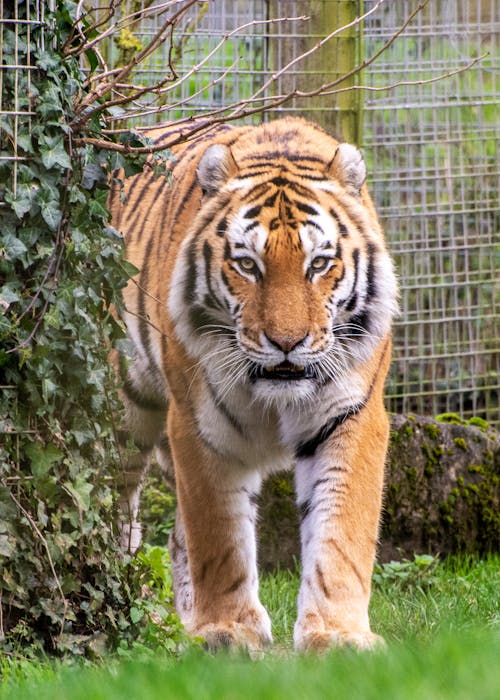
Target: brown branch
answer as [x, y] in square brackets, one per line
[104, 87]
[240, 108]
[118, 77]
[204, 124]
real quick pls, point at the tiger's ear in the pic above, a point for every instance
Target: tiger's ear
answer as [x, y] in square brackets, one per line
[348, 167]
[215, 168]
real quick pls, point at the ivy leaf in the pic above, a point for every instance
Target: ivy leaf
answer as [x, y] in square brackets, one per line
[47, 61]
[7, 297]
[54, 153]
[92, 174]
[13, 246]
[92, 59]
[136, 614]
[97, 209]
[23, 201]
[42, 457]
[51, 213]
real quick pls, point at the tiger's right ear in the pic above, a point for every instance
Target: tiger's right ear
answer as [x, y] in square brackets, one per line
[348, 167]
[215, 168]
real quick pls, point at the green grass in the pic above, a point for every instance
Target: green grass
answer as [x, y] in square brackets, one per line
[442, 624]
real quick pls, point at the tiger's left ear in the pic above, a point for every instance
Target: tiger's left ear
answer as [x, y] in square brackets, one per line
[215, 168]
[348, 167]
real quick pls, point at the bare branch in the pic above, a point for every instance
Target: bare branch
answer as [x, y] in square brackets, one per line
[115, 82]
[194, 126]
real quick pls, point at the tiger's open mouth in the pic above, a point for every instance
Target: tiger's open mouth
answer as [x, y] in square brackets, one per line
[284, 371]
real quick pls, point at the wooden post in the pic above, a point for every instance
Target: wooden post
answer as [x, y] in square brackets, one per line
[338, 114]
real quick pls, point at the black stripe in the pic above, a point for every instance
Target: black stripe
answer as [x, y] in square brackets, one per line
[226, 282]
[338, 254]
[147, 403]
[371, 290]
[255, 192]
[308, 448]
[211, 297]
[222, 408]
[200, 316]
[288, 156]
[182, 204]
[247, 229]
[253, 212]
[221, 227]
[306, 209]
[281, 181]
[362, 320]
[138, 180]
[254, 498]
[227, 250]
[144, 327]
[270, 201]
[310, 222]
[304, 509]
[257, 173]
[235, 585]
[342, 227]
[190, 285]
[353, 298]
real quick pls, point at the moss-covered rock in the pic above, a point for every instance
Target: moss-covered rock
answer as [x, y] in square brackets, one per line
[442, 493]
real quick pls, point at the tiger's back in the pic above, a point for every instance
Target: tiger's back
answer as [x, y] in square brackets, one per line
[260, 325]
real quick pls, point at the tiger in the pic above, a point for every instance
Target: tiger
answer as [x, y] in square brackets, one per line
[259, 327]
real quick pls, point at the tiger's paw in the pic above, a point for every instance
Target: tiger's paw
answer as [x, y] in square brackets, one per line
[234, 636]
[321, 642]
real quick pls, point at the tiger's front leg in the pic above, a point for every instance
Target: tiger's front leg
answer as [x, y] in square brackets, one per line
[217, 503]
[339, 490]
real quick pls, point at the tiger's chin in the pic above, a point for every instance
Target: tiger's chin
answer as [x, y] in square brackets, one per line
[284, 392]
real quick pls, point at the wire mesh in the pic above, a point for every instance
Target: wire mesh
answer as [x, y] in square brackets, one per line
[17, 23]
[431, 148]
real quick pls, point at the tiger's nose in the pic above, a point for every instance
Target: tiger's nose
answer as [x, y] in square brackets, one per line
[285, 343]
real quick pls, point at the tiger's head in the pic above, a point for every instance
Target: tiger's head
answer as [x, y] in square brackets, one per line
[283, 281]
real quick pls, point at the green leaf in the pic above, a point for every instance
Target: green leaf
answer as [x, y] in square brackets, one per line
[7, 297]
[92, 59]
[42, 457]
[136, 614]
[93, 173]
[54, 153]
[13, 246]
[51, 213]
[23, 201]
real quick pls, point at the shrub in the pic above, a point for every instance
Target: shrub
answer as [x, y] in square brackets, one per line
[64, 584]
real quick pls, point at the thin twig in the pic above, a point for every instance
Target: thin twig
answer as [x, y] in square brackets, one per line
[194, 126]
[38, 532]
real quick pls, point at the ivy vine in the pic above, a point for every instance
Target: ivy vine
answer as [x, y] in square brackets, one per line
[64, 586]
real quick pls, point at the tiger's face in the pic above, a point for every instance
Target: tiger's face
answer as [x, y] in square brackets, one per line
[284, 275]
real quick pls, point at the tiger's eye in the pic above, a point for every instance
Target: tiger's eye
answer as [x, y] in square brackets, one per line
[319, 263]
[246, 264]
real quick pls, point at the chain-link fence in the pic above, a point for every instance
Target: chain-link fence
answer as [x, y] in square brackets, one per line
[431, 148]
